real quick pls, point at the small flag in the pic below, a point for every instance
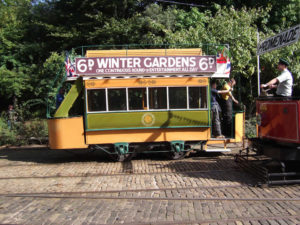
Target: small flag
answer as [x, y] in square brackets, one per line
[221, 58]
[228, 67]
[70, 68]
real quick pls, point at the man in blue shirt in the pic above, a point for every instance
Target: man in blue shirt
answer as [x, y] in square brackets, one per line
[215, 109]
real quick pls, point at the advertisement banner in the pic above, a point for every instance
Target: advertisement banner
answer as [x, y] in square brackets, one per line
[145, 65]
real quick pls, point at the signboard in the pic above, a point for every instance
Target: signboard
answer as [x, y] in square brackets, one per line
[284, 38]
[145, 65]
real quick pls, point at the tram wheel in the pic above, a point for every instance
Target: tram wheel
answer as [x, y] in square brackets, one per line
[177, 155]
[121, 158]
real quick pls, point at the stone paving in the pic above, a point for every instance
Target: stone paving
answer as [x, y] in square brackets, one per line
[40, 186]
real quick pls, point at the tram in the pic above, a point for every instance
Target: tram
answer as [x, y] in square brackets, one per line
[141, 100]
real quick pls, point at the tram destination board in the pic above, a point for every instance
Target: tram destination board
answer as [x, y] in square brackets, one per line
[145, 65]
[282, 39]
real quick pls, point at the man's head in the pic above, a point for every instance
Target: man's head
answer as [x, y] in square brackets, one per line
[282, 64]
[231, 82]
[10, 107]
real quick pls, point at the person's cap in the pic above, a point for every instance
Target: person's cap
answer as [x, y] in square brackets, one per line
[284, 62]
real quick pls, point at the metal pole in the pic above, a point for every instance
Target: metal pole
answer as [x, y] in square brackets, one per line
[258, 68]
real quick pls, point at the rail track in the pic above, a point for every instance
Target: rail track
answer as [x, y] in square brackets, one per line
[234, 192]
[261, 219]
[117, 174]
[143, 191]
[151, 198]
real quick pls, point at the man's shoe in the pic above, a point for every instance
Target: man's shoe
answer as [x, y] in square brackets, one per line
[220, 136]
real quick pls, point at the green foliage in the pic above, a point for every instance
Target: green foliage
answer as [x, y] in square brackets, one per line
[31, 130]
[34, 33]
[7, 136]
[21, 133]
[250, 127]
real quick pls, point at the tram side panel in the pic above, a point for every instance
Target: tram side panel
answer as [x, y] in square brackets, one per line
[66, 133]
[154, 110]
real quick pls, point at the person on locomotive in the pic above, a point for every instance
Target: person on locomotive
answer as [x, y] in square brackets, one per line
[226, 105]
[284, 82]
[215, 108]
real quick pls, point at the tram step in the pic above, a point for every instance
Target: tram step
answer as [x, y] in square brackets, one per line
[218, 150]
[220, 139]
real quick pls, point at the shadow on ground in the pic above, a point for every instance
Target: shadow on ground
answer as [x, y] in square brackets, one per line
[45, 155]
[208, 166]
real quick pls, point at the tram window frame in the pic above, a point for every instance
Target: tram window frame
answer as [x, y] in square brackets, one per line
[110, 106]
[147, 96]
[144, 93]
[166, 104]
[88, 106]
[174, 97]
[203, 104]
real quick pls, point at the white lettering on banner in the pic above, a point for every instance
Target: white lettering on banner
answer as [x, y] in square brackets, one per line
[144, 65]
[203, 64]
[192, 62]
[163, 62]
[81, 66]
[171, 64]
[147, 64]
[102, 63]
[282, 39]
[90, 64]
[114, 63]
[136, 62]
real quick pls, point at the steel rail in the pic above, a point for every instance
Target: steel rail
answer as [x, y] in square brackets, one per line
[208, 221]
[154, 198]
[127, 173]
[42, 164]
[130, 190]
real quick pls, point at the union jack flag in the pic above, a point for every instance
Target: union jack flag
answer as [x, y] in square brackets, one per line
[70, 68]
[223, 62]
[228, 67]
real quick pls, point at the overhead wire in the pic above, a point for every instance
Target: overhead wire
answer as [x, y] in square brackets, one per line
[181, 3]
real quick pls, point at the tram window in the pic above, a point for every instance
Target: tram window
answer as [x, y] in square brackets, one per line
[96, 100]
[177, 98]
[116, 99]
[137, 98]
[197, 97]
[158, 98]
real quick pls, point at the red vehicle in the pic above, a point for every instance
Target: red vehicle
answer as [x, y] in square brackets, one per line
[274, 154]
[277, 145]
[278, 127]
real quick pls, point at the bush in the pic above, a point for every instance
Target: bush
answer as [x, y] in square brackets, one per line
[7, 136]
[32, 130]
[23, 133]
[250, 127]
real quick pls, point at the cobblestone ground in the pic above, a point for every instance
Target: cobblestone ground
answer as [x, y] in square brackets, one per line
[40, 186]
